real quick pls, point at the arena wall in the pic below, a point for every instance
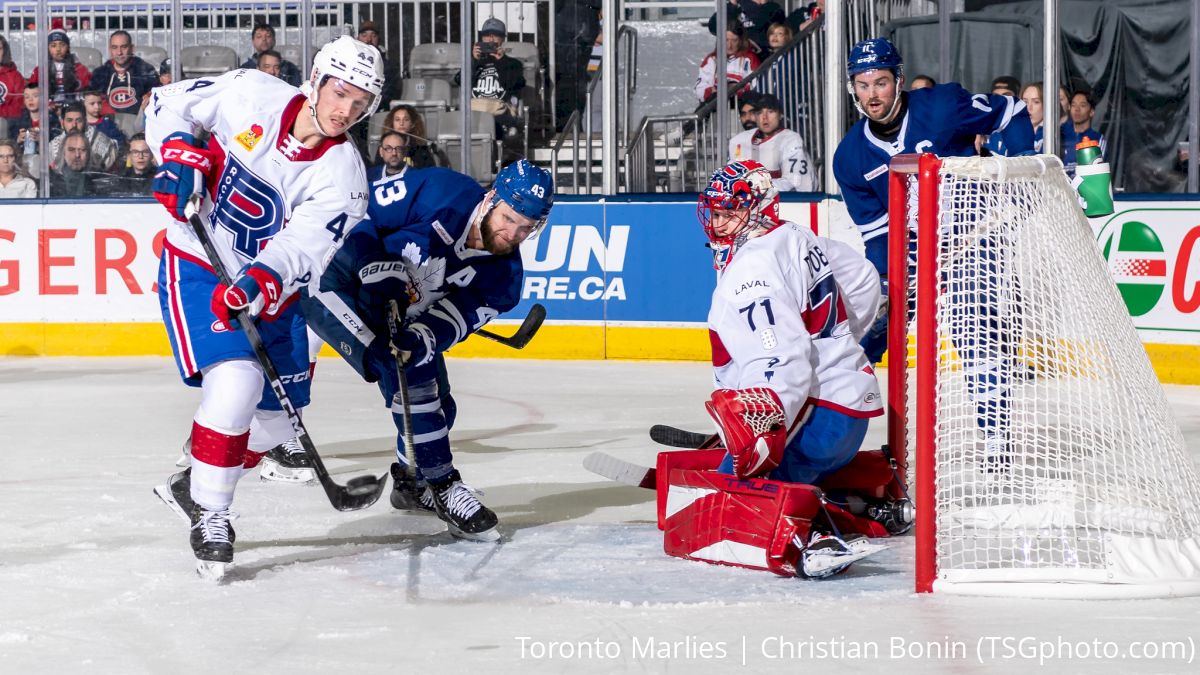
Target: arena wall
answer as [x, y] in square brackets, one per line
[625, 278]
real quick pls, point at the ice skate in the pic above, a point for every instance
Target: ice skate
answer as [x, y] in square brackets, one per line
[287, 463]
[464, 515]
[827, 555]
[212, 534]
[409, 494]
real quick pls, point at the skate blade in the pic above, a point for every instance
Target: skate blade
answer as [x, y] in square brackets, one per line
[822, 566]
[273, 471]
[164, 493]
[486, 537]
[184, 461]
[211, 570]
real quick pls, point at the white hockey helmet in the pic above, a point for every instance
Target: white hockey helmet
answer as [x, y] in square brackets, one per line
[352, 62]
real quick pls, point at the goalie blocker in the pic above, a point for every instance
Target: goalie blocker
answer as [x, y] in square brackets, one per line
[789, 529]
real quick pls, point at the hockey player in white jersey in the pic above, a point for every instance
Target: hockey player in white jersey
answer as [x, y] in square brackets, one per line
[794, 389]
[282, 187]
[777, 148]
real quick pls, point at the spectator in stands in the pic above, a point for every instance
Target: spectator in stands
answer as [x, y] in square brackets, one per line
[26, 128]
[93, 105]
[1032, 97]
[164, 72]
[778, 148]
[395, 155]
[754, 16]
[577, 27]
[1064, 104]
[779, 35]
[417, 151]
[497, 78]
[803, 17]
[124, 79]
[263, 39]
[748, 111]
[1079, 127]
[70, 76]
[12, 83]
[14, 183]
[102, 151]
[368, 32]
[137, 174]
[921, 82]
[1006, 85]
[742, 61]
[270, 62]
[69, 175]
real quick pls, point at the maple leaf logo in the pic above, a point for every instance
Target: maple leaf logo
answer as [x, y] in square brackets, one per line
[425, 277]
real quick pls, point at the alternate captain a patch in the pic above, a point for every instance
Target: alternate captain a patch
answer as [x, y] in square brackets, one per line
[250, 137]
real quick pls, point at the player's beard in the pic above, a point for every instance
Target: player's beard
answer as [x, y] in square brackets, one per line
[491, 242]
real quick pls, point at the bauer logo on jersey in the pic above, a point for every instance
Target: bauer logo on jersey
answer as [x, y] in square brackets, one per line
[248, 207]
[250, 137]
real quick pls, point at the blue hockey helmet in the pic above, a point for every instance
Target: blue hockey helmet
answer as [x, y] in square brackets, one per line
[874, 54]
[528, 189]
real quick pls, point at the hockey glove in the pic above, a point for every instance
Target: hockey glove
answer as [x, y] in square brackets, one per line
[414, 345]
[256, 289]
[752, 425]
[184, 168]
[386, 280]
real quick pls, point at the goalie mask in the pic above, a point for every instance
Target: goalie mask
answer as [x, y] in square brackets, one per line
[740, 203]
[353, 62]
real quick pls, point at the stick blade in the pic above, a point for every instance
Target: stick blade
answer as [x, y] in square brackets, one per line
[621, 471]
[678, 438]
[358, 493]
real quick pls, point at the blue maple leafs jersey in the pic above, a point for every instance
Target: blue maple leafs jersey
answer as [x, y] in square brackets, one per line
[419, 220]
[943, 120]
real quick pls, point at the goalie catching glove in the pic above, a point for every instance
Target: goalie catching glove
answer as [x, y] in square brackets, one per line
[752, 425]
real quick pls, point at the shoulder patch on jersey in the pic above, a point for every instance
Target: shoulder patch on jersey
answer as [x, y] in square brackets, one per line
[250, 137]
[442, 233]
[877, 171]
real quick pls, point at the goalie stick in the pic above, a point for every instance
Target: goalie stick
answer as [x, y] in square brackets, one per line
[359, 492]
[529, 327]
[612, 468]
[679, 438]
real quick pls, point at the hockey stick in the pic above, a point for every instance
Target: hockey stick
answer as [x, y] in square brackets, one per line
[679, 438]
[529, 327]
[359, 492]
[604, 464]
[395, 321]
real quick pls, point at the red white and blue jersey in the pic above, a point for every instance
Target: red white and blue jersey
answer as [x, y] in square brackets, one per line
[779, 319]
[943, 120]
[266, 187]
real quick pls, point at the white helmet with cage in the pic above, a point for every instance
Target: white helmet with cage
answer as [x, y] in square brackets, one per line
[352, 62]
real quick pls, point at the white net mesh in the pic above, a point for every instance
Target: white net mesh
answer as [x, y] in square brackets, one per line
[1057, 455]
[762, 413]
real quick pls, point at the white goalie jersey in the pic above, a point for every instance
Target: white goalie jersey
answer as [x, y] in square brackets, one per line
[263, 178]
[779, 319]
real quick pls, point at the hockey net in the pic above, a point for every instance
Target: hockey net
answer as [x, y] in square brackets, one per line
[1045, 451]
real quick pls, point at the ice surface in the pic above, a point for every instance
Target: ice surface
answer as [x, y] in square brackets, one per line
[95, 573]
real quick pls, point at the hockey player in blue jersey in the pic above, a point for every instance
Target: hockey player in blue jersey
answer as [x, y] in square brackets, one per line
[944, 120]
[439, 244]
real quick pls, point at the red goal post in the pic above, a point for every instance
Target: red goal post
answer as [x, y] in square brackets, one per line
[1047, 459]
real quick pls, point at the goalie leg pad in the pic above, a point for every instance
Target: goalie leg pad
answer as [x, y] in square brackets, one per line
[825, 443]
[753, 426]
[753, 523]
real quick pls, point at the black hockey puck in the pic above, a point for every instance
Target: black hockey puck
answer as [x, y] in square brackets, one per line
[361, 485]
